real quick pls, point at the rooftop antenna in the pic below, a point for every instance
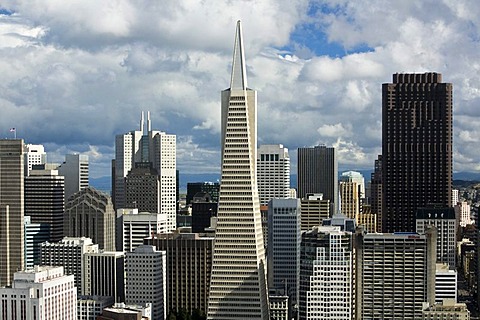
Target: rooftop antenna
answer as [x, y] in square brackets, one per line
[142, 123]
[149, 124]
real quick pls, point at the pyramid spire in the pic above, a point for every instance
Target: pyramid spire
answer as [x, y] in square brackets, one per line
[239, 73]
[238, 284]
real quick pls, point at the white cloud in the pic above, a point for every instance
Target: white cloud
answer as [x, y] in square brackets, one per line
[192, 158]
[74, 74]
[349, 153]
[334, 130]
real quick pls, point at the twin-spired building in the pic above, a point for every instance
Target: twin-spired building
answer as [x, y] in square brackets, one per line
[144, 171]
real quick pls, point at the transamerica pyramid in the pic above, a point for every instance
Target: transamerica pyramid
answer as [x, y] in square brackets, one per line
[238, 287]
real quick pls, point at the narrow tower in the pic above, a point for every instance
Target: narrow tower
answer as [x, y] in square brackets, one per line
[238, 288]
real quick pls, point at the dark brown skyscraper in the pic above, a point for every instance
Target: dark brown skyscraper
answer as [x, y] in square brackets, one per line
[416, 147]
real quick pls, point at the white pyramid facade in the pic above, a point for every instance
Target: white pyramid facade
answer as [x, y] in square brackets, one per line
[238, 288]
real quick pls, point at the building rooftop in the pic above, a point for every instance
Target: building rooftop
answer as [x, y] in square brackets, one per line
[448, 305]
[38, 274]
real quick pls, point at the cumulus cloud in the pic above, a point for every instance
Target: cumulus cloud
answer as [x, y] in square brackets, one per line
[334, 130]
[350, 154]
[75, 74]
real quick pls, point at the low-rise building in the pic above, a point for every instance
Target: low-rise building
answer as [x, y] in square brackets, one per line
[90, 307]
[40, 293]
[448, 310]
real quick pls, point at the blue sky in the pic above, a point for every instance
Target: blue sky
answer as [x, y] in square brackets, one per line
[76, 73]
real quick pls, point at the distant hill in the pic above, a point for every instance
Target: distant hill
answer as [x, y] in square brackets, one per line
[468, 176]
[197, 177]
[457, 184]
[104, 183]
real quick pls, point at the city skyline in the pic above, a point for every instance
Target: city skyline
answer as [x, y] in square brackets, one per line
[73, 80]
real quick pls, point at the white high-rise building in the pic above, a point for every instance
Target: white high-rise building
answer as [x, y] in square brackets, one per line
[68, 253]
[137, 226]
[462, 211]
[357, 177]
[444, 220]
[35, 235]
[352, 191]
[455, 197]
[146, 279]
[326, 274]
[40, 293]
[445, 283]
[273, 172]
[395, 274]
[238, 286]
[34, 155]
[136, 148]
[75, 171]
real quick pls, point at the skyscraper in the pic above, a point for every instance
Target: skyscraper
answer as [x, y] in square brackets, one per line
[45, 200]
[238, 287]
[189, 267]
[146, 279]
[40, 293]
[318, 173]
[104, 274]
[455, 199]
[144, 149]
[352, 193]
[273, 172]
[11, 209]
[75, 171]
[395, 274]
[68, 253]
[34, 235]
[462, 211]
[34, 155]
[314, 209]
[142, 189]
[446, 284]
[444, 220]
[376, 192]
[416, 147]
[89, 213]
[203, 211]
[326, 274]
[136, 226]
[284, 237]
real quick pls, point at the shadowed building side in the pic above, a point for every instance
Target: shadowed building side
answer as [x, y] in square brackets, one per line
[11, 209]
